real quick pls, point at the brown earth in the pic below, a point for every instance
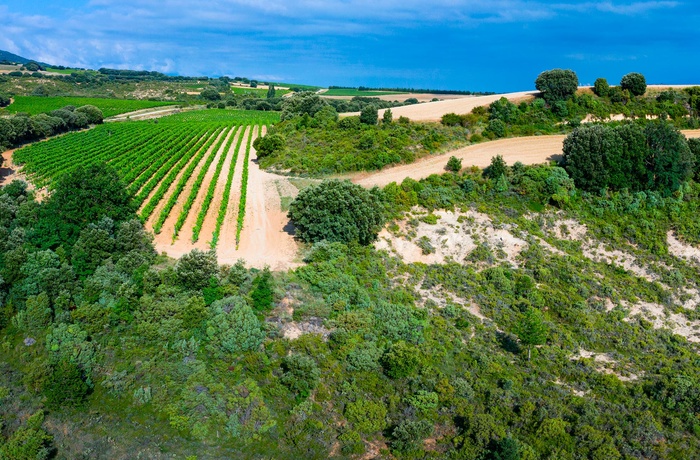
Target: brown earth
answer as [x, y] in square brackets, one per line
[422, 97]
[148, 114]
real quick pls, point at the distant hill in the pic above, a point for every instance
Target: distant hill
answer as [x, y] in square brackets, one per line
[7, 56]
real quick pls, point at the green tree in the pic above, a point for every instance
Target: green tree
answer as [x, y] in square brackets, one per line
[588, 151]
[635, 83]
[387, 117]
[339, 211]
[557, 85]
[66, 387]
[531, 330]
[233, 327]
[694, 145]
[29, 442]
[270, 91]
[409, 434]
[454, 164]
[369, 115]
[82, 196]
[669, 157]
[210, 94]
[601, 87]
[400, 360]
[301, 374]
[4, 100]
[366, 415]
[306, 102]
[93, 114]
[497, 168]
[262, 291]
[268, 144]
[196, 268]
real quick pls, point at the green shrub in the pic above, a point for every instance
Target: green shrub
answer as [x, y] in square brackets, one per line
[400, 360]
[233, 327]
[337, 211]
[366, 415]
[601, 87]
[408, 435]
[557, 85]
[301, 374]
[454, 164]
[67, 387]
[635, 83]
[29, 442]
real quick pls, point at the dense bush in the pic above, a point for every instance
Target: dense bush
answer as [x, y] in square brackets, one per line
[557, 85]
[337, 211]
[601, 87]
[369, 115]
[232, 326]
[635, 83]
[656, 157]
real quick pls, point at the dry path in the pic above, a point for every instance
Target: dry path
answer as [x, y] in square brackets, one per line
[155, 112]
[527, 150]
[433, 111]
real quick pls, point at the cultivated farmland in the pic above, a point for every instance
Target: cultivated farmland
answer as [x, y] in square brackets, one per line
[188, 173]
[34, 105]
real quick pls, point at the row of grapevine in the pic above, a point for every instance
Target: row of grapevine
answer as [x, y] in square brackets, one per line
[179, 187]
[227, 193]
[149, 180]
[244, 188]
[198, 182]
[212, 185]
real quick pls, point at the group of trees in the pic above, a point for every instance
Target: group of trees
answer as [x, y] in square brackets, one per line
[22, 128]
[629, 156]
[632, 84]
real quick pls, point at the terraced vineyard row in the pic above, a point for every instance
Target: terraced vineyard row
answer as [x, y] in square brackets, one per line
[187, 173]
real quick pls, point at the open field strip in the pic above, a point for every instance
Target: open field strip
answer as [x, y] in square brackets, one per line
[34, 105]
[244, 187]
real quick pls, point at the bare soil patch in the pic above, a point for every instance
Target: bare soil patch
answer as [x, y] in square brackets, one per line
[682, 250]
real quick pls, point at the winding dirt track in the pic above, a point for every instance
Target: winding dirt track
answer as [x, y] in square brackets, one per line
[527, 150]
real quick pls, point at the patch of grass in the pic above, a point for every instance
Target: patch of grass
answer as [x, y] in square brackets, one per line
[34, 105]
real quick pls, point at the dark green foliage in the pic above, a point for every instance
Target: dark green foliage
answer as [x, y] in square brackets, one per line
[337, 211]
[601, 87]
[267, 145]
[369, 115]
[409, 434]
[301, 374]
[304, 103]
[400, 360]
[366, 416]
[81, 197]
[93, 114]
[66, 387]
[387, 116]
[262, 291]
[210, 94]
[271, 91]
[654, 158]
[497, 168]
[557, 85]
[635, 83]
[531, 329]
[29, 442]
[495, 129]
[4, 100]
[233, 327]
[195, 269]
[454, 164]
[694, 145]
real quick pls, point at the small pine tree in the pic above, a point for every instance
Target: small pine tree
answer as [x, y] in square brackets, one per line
[388, 117]
[454, 164]
[271, 91]
[369, 115]
[497, 168]
[531, 330]
[262, 291]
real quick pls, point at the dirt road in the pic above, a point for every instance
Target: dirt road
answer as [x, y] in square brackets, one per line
[527, 150]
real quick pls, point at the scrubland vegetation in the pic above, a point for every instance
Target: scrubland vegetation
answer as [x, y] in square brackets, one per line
[523, 329]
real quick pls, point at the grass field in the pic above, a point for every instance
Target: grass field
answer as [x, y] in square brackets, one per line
[34, 105]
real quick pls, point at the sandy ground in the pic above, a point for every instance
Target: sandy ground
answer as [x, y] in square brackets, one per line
[527, 150]
[433, 111]
[682, 250]
[422, 97]
[10, 172]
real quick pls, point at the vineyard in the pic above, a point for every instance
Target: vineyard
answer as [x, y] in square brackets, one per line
[188, 173]
[34, 105]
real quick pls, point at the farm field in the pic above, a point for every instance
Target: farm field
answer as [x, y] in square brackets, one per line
[356, 92]
[34, 105]
[189, 174]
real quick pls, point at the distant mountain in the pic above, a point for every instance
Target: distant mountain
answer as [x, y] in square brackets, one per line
[7, 56]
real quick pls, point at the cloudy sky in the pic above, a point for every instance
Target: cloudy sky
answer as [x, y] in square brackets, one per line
[480, 45]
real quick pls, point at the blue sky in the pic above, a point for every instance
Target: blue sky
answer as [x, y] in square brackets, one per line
[498, 45]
